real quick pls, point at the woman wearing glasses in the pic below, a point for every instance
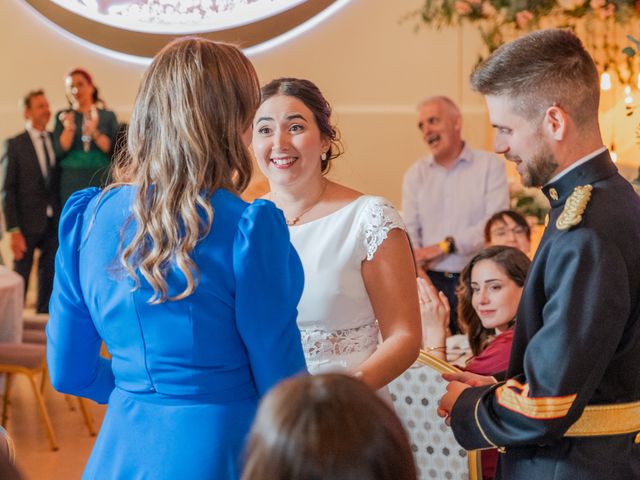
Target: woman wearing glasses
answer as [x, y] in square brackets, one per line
[508, 228]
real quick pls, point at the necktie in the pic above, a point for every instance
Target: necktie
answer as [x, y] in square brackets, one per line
[47, 157]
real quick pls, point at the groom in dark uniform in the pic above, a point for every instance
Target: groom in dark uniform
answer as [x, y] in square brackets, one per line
[569, 405]
[31, 197]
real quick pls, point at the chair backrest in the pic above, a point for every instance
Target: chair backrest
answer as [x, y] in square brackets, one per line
[6, 446]
[438, 455]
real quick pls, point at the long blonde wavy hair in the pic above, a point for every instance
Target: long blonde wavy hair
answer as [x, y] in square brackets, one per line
[185, 141]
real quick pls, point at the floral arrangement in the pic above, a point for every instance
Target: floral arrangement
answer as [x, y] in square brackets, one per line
[528, 201]
[502, 20]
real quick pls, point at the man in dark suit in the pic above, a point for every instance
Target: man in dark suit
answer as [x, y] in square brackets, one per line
[31, 197]
[569, 404]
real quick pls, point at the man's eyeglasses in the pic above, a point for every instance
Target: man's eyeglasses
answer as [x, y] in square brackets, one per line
[503, 232]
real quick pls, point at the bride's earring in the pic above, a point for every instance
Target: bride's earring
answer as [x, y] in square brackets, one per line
[323, 157]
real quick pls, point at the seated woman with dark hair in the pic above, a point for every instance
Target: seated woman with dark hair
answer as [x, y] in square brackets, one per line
[509, 228]
[488, 297]
[330, 427]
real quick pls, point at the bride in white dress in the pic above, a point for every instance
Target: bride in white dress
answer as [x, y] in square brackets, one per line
[359, 270]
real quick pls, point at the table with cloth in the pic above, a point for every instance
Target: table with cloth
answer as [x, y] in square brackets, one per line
[11, 303]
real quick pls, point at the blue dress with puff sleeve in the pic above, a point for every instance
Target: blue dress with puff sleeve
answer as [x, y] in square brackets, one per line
[185, 377]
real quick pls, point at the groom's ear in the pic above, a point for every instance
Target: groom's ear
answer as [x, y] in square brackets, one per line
[555, 122]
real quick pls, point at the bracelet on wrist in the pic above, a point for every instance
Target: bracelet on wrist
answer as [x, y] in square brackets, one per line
[431, 349]
[444, 246]
[448, 245]
[452, 244]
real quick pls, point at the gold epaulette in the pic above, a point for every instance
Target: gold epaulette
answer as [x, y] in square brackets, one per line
[574, 207]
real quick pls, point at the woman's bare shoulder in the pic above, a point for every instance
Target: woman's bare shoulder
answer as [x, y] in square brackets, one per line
[341, 194]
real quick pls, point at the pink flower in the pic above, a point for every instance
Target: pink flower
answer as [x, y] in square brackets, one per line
[570, 4]
[462, 8]
[523, 18]
[488, 10]
[607, 11]
[475, 2]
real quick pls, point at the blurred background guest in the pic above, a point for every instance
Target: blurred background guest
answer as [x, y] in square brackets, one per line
[509, 228]
[329, 427]
[84, 136]
[193, 291]
[31, 201]
[358, 267]
[488, 297]
[448, 196]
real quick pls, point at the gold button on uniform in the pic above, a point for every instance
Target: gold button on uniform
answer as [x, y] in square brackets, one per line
[553, 193]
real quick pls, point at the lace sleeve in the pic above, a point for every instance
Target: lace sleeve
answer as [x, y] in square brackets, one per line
[379, 218]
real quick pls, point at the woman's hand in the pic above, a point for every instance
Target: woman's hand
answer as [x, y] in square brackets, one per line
[90, 122]
[68, 120]
[434, 306]
[434, 314]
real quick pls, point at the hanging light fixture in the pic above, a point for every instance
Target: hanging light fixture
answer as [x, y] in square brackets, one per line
[605, 81]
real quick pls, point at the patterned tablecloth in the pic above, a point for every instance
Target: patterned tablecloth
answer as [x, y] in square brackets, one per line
[415, 396]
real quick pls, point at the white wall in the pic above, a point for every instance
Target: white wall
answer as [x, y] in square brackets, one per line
[372, 69]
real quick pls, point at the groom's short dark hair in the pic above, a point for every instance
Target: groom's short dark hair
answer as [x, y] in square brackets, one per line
[540, 69]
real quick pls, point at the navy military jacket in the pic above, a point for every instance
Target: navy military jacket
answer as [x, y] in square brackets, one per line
[576, 343]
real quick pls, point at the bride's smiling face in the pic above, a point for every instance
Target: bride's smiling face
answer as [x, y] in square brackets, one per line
[287, 142]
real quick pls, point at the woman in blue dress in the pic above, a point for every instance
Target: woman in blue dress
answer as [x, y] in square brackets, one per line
[193, 291]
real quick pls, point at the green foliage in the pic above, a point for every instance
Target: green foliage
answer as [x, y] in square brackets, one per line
[499, 20]
[528, 202]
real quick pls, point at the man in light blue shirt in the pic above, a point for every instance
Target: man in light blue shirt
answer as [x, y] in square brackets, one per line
[448, 196]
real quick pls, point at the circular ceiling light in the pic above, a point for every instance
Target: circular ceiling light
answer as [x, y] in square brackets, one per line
[177, 16]
[142, 27]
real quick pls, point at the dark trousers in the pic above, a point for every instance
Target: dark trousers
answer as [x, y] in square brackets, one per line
[447, 283]
[47, 243]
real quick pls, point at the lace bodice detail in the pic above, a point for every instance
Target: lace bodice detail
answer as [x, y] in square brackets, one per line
[380, 218]
[337, 322]
[321, 346]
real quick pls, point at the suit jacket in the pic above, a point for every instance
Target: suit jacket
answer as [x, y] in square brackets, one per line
[26, 193]
[576, 342]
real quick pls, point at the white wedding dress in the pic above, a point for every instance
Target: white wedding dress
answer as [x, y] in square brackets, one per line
[338, 326]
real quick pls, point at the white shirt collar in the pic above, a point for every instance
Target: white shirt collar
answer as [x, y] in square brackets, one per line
[465, 155]
[34, 132]
[576, 164]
